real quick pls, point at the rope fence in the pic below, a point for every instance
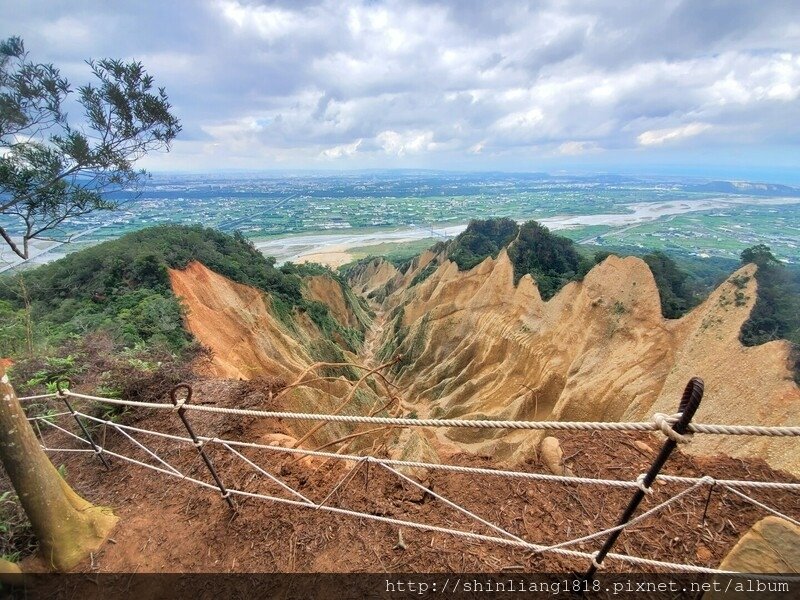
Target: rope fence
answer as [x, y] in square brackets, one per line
[676, 428]
[660, 421]
[447, 467]
[508, 541]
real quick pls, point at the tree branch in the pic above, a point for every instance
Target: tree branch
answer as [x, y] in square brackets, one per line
[12, 245]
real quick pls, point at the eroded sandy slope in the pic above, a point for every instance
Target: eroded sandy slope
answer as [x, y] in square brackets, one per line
[475, 345]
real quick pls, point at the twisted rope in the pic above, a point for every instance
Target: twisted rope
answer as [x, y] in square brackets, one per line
[703, 481]
[39, 397]
[511, 539]
[432, 528]
[473, 423]
[458, 468]
[761, 505]
[665, 423]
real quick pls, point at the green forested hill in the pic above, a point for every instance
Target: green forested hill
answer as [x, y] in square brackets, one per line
[552, 259]
[122, 285]
[118, 292]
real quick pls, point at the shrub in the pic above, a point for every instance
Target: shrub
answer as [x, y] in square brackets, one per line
[480, 240]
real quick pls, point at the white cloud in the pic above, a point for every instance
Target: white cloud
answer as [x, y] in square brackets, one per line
[342, 150]
[361, 81]
[525, 119]
[671, 134]
[68, 32]
[269, 23]
[577, 148]
[409, 142]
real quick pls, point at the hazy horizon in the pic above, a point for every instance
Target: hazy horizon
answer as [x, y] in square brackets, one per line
[789, 178]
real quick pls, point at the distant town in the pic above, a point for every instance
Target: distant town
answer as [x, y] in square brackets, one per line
[702, 219]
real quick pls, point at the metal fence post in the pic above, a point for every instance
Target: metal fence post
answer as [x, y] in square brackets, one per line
[197, 443]
[63, 394]
[688, 407]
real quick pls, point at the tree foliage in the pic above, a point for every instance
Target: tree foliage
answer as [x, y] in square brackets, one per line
[554, 260]
[677, 296]
[760, 255]
[121, 288]
[480, 240]
[776, 314]
[52, 169]
[551, 259]
[12, 329]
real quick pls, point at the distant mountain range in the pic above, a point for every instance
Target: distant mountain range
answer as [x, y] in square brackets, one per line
[744, 187]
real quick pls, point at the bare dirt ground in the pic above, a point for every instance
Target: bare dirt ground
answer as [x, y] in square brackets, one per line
[168, 525]
[332, 258]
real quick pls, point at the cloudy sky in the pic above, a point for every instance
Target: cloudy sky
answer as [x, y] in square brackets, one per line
[686, 87]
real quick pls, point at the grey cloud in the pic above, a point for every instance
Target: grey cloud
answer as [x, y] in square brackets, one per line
[290, 80]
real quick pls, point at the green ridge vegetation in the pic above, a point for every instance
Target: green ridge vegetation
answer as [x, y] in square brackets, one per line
[554, 260]
[674, 291]
[481, 239]
[776, 314]
[551, 259]
[424, 273]
[678, 291]
[122, 286]
[120, 290]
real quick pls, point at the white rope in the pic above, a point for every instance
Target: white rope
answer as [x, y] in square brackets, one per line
[342, 482]
[778, 485]
[49, 416]
[146, 449]
[461, 469]
[386, 462]
[772, 485]
[633, 521]
[160, 470]
[640, 484]
[401, 463]
[480, 424]
[486, 538]
[269, 475]
[392, 462]
[662, 422]
[76, 450]
[770, 430]
[665, 423]
[167, 436]
[69, 433]
[457, 507]
[426, 527]
[39, 397]
[764, 506]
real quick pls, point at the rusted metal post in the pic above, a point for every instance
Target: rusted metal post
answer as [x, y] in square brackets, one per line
[62, 393]
[197, 443]
[688, 407]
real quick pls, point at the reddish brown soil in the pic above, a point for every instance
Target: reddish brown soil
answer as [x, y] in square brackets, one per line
[167, 525]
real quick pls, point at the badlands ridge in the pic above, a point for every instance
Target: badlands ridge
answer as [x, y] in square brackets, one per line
[472, 344]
